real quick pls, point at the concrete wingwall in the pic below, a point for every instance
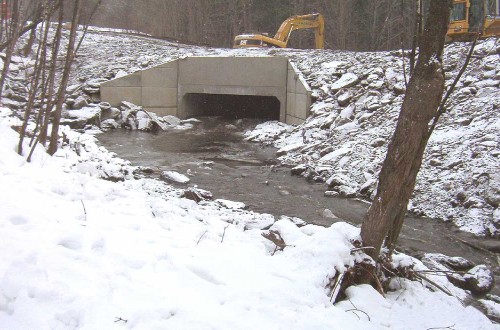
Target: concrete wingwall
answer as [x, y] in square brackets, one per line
[162, 89]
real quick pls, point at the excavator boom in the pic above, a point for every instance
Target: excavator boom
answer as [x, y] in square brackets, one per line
[297, 22]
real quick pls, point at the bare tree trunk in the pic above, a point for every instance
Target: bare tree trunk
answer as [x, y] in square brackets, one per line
[13, 36]
[54, 137]
[404, 155]
[49, 89]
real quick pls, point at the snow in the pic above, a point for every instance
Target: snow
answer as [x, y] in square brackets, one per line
[81, 252]
[85, 245]
[172, 176]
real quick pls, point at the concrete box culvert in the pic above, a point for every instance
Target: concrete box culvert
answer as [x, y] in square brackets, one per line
[267, 87]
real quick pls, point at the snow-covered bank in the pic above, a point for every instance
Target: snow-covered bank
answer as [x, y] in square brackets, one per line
[344, 141]
[82, 252]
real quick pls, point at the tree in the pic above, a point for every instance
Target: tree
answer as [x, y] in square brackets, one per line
[70, 55]
[397, 178]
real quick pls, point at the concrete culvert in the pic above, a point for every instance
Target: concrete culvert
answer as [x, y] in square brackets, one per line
[238, 87]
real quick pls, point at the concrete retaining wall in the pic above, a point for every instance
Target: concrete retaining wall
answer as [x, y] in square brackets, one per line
[162, 89]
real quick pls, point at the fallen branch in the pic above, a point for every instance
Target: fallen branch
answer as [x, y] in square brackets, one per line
[448, 327]
[224, 233]
[336, 286]
[84, 210]
[354, 310]
[201, 237]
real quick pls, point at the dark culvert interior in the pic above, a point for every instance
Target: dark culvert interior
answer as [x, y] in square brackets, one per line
[232, 106]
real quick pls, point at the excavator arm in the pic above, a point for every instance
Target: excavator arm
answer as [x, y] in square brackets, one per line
[297, 22]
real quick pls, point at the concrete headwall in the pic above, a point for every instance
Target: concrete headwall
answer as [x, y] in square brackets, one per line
[162, 89]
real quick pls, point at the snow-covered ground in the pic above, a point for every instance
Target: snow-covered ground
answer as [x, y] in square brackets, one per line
[82, 249]
[81, 252]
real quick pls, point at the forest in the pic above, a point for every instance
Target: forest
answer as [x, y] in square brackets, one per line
[358, 25]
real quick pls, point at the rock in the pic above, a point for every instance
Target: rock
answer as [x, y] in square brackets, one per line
[18, 97]
[454, 163]
[435, 162]
[120, 74]
[458, 263]
[129, 106]
[231, 204]
[299, 169]
[328, 214]
[492, 191]
[337, 180]
[347, 80]
[174, 177]
[347, 192]
[104, 106]
[347, 113]
[196, 194]
[90, 90]
[377, 142]
[473, 202]
[344, 99]
[109, 124]
[72, 89]
[331, 193]
[487, 83]
[85, 116]
[479, 280]
[496, 217]
[111, 113]
[95, 83]
[79, 103]
[399, 88]
[70, 101]
[145, 169]
[461, 196]
[368, 187]
[171, 120]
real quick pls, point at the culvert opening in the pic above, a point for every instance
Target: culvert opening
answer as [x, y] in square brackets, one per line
[232, 106]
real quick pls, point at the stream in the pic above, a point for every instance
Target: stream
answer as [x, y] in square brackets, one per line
[214, 153]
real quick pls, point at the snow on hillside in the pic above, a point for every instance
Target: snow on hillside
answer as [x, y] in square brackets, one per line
[358, 97]
[89, 244]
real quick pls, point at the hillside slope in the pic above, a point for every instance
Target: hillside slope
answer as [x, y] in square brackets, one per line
[358, 97]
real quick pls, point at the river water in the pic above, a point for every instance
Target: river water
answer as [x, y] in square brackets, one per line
[214, 153]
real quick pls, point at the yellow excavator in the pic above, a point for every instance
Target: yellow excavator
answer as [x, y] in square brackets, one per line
[470, 17]
[280, 39]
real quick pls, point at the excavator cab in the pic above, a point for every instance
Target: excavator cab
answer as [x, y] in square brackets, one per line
[280, 39]
[470, 17]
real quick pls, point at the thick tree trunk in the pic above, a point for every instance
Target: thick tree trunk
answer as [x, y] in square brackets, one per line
[404, 155]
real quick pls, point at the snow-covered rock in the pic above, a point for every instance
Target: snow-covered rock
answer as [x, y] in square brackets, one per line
[479, 279]
[174, 177]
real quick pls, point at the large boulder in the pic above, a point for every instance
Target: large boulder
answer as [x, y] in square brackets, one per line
[479, 280]
[78, 119]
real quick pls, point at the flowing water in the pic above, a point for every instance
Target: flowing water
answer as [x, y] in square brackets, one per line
[219, 160]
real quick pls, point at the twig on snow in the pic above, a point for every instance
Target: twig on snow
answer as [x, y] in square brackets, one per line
[84, 210]
[354, 310]
[119, 319]
[451, 327]
[201, 237]
[223, 234]
[357, 309]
